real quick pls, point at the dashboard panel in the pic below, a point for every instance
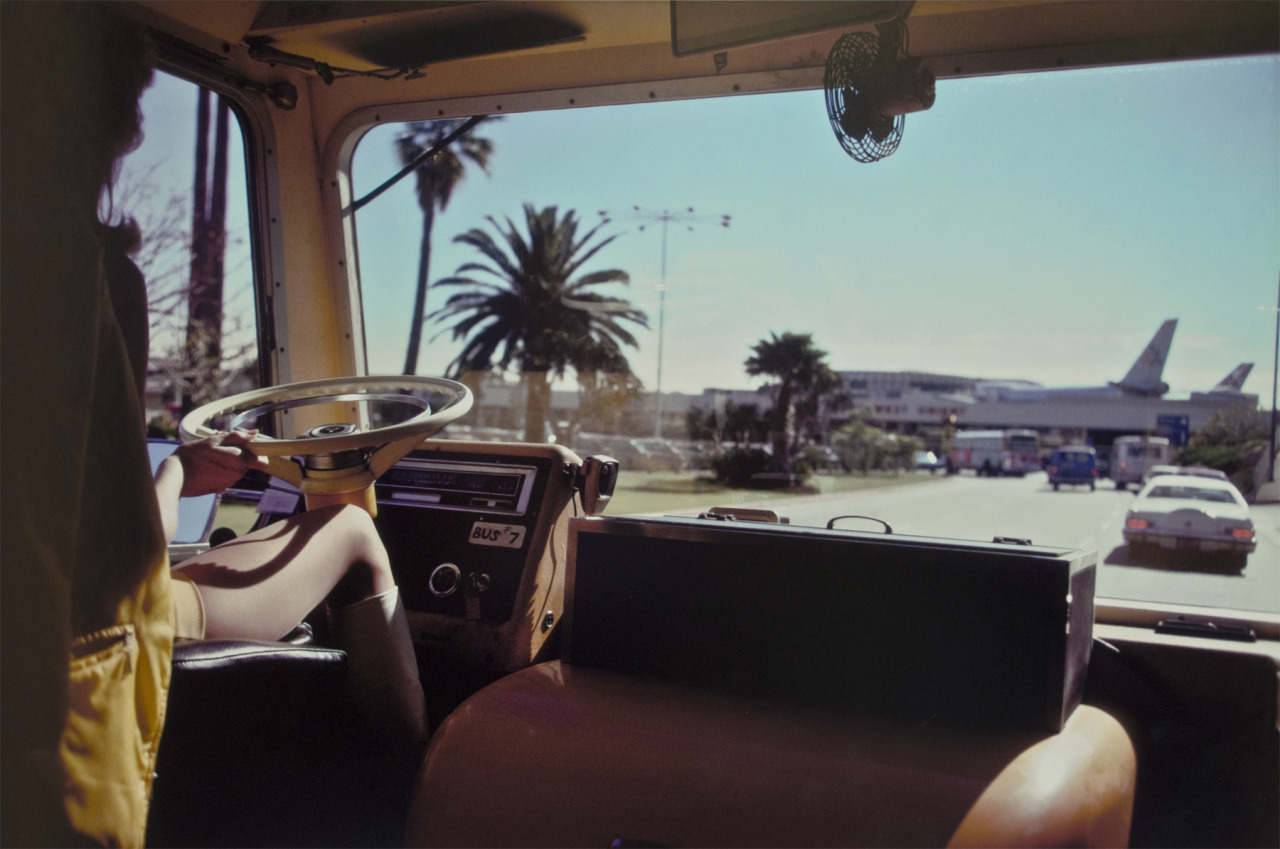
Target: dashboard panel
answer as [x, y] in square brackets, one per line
[477, 536]
[459, 529]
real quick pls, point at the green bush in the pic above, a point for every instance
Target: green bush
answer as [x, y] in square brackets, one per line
[162, 426]
[1225, 458]
[1231, 441]
[806, 462]
[735, 466]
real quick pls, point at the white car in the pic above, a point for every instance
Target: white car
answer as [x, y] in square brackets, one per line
[1197, 471]
[1191, 512]
[927, 461]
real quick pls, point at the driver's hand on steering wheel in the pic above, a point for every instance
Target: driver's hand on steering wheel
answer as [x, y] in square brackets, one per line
[216, 462]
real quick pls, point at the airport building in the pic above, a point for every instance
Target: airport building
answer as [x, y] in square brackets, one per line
[909, 407]
[924, 404]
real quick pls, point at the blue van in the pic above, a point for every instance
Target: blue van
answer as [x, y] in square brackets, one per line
[1074, 464]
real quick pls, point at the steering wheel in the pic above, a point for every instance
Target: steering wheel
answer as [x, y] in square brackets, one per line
[335, 459]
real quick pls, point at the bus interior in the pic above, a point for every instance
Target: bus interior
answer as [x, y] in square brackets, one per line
[718, 677]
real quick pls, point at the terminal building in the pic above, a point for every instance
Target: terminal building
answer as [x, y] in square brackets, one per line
[901, 401]
[927, 404]
[924, 404]
[1135, 404]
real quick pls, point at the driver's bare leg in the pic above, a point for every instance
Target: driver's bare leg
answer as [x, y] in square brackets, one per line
[261, 585]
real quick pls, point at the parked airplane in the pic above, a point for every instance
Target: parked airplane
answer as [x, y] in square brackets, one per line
[1234, 382]
[1229, 387]
[1143, 378]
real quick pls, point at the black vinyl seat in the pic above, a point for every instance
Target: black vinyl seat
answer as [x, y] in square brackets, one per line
[261, 748]
[254, 733]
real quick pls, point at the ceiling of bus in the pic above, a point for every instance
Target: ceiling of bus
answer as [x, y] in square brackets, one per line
[957, 37]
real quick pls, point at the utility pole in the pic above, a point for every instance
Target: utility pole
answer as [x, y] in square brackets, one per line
[1275, 366]
[687, 217]
[208, 246]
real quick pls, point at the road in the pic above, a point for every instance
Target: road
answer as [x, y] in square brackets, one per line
[966, 507]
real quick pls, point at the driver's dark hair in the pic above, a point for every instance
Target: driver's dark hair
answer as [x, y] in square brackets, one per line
[110, 122]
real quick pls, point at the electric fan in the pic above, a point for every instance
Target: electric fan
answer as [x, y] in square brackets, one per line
[870, 85]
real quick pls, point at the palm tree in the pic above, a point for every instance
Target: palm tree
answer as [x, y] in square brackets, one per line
[436, 178]
[606, 388]
[529, 310]
[803, 377]
[208, 249]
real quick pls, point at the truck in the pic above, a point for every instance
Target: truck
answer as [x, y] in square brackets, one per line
[1132, 458]
[1014, 451]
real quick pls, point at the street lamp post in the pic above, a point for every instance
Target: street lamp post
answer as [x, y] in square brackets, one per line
[687, 217]
[1268, 491]
[1275, 374]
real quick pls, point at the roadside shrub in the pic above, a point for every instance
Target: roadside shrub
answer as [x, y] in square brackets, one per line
[735, 466]
[162, 426]
[801, 464]
[813, 458]
[1231, 442]
[1225, 458]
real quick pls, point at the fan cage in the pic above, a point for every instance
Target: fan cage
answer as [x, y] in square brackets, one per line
[850, 67]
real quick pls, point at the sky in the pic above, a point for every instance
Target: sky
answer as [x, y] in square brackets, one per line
[1034, 227]
[161, 170]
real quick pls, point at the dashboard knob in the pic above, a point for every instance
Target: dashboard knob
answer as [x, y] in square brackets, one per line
[444, 580]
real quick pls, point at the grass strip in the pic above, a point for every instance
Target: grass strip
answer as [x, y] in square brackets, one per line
[656, 492]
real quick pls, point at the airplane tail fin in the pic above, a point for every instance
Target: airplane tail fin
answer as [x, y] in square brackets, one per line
[1234, 381]
[1144, 376]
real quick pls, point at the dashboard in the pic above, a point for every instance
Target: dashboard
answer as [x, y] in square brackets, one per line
[477, 536]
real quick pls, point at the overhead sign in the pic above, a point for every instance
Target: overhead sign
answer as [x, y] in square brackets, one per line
[1174, 428]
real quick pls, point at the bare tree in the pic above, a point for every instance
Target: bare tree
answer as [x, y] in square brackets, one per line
[164, 258]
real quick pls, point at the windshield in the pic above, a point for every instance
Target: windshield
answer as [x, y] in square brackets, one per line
[1191, 493]
[757, 319]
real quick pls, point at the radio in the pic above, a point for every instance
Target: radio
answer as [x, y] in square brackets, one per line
[417, 481]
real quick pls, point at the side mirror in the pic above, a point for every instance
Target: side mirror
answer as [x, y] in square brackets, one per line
[596, 480]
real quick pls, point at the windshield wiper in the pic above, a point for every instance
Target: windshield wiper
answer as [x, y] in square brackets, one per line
[1196, 626]
[418, 160]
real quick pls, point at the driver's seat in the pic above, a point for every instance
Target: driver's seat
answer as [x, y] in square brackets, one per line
[253, 732]
[260, 746]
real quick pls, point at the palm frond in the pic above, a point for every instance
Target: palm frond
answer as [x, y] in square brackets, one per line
[595, 278]
[522, 304]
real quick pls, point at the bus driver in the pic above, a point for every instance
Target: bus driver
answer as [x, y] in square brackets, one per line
[86, 575]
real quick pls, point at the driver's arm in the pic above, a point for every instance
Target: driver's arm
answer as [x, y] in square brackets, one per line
[201, 467]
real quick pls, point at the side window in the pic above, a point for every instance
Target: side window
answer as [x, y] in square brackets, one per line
[186, 188]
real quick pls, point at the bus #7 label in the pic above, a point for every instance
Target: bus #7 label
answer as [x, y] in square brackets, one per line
[491, 533]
